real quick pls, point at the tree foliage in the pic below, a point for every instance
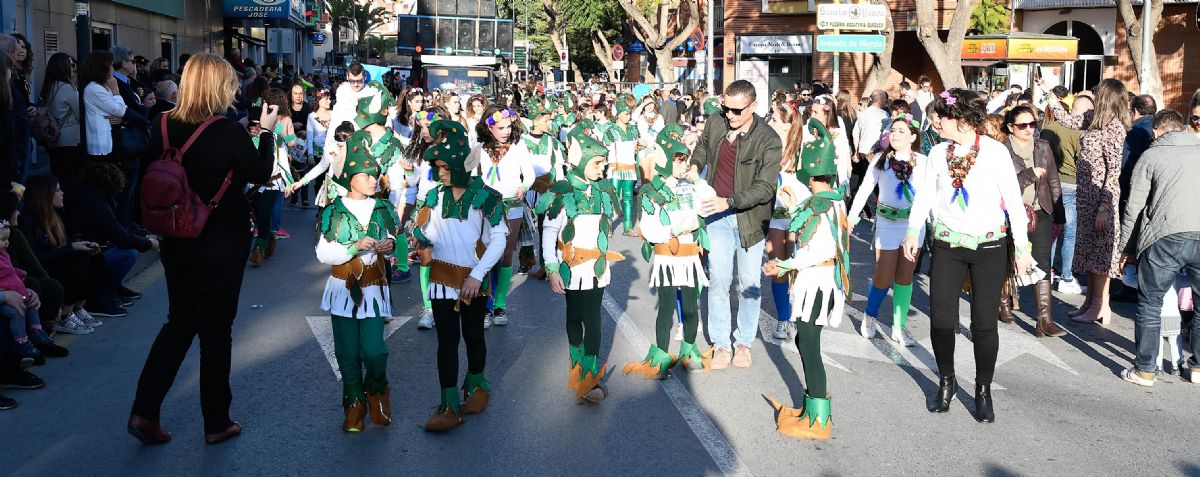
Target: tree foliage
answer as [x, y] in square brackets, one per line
[341, 15]
[990, 17]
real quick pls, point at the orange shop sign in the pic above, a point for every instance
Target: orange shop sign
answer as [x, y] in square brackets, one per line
[985, 49]
[1043, 49]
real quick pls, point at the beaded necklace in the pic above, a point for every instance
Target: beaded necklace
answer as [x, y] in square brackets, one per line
[959, 168]
[903, 171]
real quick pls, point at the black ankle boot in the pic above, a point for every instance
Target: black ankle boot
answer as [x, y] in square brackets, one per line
[947, 387]
[983, 403]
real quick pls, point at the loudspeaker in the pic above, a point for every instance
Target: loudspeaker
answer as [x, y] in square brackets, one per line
[447, 33]
[427, 7]
[466, 34]
[426, 33]
[487, 9]
[470, 8]
[447, 7]
[406, 33]
[487, 35]
[504, 36]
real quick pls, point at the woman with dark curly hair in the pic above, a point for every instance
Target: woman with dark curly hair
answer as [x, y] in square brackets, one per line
[970, 179]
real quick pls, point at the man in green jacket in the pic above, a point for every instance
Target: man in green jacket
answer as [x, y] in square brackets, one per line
[740, 155]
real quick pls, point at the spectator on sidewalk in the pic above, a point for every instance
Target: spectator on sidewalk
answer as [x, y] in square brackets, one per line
[1138, 140]
[1065, 144]
[868, 129]
[48, 289]
[60, 95]
[1160, 232]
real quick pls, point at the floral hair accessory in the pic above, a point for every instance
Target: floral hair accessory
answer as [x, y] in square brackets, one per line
[908, 118]
[323, 93]
[427, 116]
[3, 224]
[414, 91]
[499, 115]
[950, 100]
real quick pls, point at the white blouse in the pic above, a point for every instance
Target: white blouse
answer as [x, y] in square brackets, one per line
[99, 102]
[454, 242]
[888, 183]
[513, 172]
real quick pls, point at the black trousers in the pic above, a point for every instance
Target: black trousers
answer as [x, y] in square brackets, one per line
[204, 281]
[79, 274]
[583, 319]
[1042, 238]
[987, 266]
[450, 324]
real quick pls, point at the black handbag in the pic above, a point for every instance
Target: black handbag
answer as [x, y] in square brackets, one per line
[133, 142]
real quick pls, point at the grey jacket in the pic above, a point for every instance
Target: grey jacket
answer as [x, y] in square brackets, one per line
[754, 177]
[1170, 170]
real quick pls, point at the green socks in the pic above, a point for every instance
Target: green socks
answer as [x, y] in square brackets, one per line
[451, 400]
[503, 281]
[424, 277]
[901, 297]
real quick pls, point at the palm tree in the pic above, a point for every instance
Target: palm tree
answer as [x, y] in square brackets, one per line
[341, 15]
[367, 18]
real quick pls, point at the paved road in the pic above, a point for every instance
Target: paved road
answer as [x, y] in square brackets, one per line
[1061, 410]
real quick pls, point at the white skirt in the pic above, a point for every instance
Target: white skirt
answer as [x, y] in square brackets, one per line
[816, 298]
[376, 300]
[669, 271]
[889, 234]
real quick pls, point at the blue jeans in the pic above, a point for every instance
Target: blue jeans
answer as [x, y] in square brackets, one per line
[726, 245]
[117, 263]
[1157, 268]
[1065, 245]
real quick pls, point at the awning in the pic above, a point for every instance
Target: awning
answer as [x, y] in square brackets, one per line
[1021, 48]
[981, 63]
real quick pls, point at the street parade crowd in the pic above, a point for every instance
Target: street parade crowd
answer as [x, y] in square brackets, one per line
[993, 192]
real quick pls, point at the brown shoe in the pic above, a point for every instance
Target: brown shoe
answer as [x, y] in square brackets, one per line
[477, 402]
[443, 420]
[381, 407]
[355, 413]
[1006, 306]
[256, 257]
[233, 430]
[720, 358]
[147, 431]
[1045, 316]
[741, 357]
[271, 246]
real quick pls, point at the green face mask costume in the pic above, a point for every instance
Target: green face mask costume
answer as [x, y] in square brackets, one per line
[453, 150]
[711, 106]
[373, 109]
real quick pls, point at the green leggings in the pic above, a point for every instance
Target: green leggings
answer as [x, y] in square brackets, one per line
[666, 314]
[583, 319]
[625, 190]
[808, 341]
[264, 209]
[358, 343]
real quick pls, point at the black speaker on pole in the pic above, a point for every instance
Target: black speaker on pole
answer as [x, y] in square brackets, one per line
[487, 9]
[426, 33]
[406, 33]
[447, 33]
[466, 34]
[470, 8]
[427, 7]
[487, 35]
[447, 7]
[504, 36]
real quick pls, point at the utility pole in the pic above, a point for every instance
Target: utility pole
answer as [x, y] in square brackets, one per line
[708, 66]
[83, 29]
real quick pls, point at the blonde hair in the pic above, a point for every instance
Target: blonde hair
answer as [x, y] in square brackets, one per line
[206, 89]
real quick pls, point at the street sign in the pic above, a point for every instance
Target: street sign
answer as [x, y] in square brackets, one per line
[850, 43]
[698, 39]
[618, 65]
[851, 16]
[618, 52]
[636, 47]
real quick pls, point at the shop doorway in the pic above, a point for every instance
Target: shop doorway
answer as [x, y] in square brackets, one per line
[102, 36]
[785, 71]
[1088, 70]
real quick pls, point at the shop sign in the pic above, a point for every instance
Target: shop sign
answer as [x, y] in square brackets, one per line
[850, 43]
[257, 8]
[775, 45]
[989, 49]
[850, 16]
[1043, 49]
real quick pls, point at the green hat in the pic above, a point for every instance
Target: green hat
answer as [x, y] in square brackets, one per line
[569, 100]
[817, 158]
[621, 106]
[711, 106]
[582, 150]
[673, 131]
[453, 150]
[373, 109]
[535, 109]
[664, 164]
[583, 128]
[358, 159]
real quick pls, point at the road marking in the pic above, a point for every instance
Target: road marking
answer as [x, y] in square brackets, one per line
[322, 330]
[702, 426]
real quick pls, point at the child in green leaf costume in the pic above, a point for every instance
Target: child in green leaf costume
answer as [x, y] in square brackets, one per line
[356, 232]
[621, 139]
[821, 281]
[675, 238]
[580, 212]
[460, 233]
[547, 157]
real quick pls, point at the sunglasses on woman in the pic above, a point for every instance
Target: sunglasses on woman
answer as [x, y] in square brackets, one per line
[1024, 126]
[1195, 118]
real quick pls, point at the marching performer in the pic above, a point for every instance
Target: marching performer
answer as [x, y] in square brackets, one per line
[546, 154]
[355, 232]
[821, 282]
[621, 139]
[580, 211]
[460, 233]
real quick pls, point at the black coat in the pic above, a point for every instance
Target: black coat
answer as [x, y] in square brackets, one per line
[89, 215]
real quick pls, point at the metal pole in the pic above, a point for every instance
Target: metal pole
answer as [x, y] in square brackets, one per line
[1147, 33]
[83, 29]
[709, 65]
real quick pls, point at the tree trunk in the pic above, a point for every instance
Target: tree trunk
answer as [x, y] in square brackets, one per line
[1135, 29]
[601, 49]
[946, 55]
[881, 67]
[660, 42]
[666, 71]
[553, 21]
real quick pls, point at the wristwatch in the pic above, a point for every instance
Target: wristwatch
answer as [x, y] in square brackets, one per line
[729, 200]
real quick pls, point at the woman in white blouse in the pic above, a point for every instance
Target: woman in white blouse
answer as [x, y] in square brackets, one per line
[970, 179]
[102, 105]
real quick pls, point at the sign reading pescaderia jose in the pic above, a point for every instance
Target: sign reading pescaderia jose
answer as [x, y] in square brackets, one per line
[257, 8]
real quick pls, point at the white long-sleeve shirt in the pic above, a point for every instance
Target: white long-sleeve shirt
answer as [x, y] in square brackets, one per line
[336, 298]
[587, 233]
[991, 185]
[315, 135]
[886, 180]
[344, 109]
[454, 242]
[868, 129]
[513, 172]
[99, 102]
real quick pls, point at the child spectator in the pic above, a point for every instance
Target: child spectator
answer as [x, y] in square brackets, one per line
[20, 310]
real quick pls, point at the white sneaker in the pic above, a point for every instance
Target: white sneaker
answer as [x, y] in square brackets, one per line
[902, 336]
[499, 317]
[1131, 375]
[487, 320]
[72, 325]
[782, 330]
[426, 320]
[679, 332]
[87, 319]
[1069, 287]
[867, 329]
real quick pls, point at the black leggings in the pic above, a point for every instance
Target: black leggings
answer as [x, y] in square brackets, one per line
[450, 324]
[1042, 238]
[987, 267]
[808, 342]
[583, 319]
[666, 314]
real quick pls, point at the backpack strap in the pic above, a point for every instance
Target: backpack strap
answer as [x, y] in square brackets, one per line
[196, 134]
[212, 204]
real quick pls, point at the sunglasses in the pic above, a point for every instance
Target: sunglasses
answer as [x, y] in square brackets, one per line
[356, 81]
[1195, 118]
[1024, 126]
[735, 111]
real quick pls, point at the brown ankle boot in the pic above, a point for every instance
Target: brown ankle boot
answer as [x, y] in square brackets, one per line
[1006, 306]
[1045, 316]
[355, 412]
[381, 407]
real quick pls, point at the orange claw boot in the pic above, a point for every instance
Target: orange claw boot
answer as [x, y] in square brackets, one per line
[476, 394]
[691, 359]
[657, 364]
[576, 354]
[448, 415]
[355, 412]
[592, 374]
[381, 407]
[813, 422]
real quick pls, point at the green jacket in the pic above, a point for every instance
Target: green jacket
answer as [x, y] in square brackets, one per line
[755, 176]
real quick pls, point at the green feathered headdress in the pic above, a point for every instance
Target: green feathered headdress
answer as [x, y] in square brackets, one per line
[373, 109]
[358, 159]
[817, 158]
[673, 131]
[452, 151]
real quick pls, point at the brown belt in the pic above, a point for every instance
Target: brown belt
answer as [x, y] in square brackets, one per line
[573, 256]
[449, 274]
[676, 249]
[828, 263]
[542, 183]
[625, 167]
[358, 275]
